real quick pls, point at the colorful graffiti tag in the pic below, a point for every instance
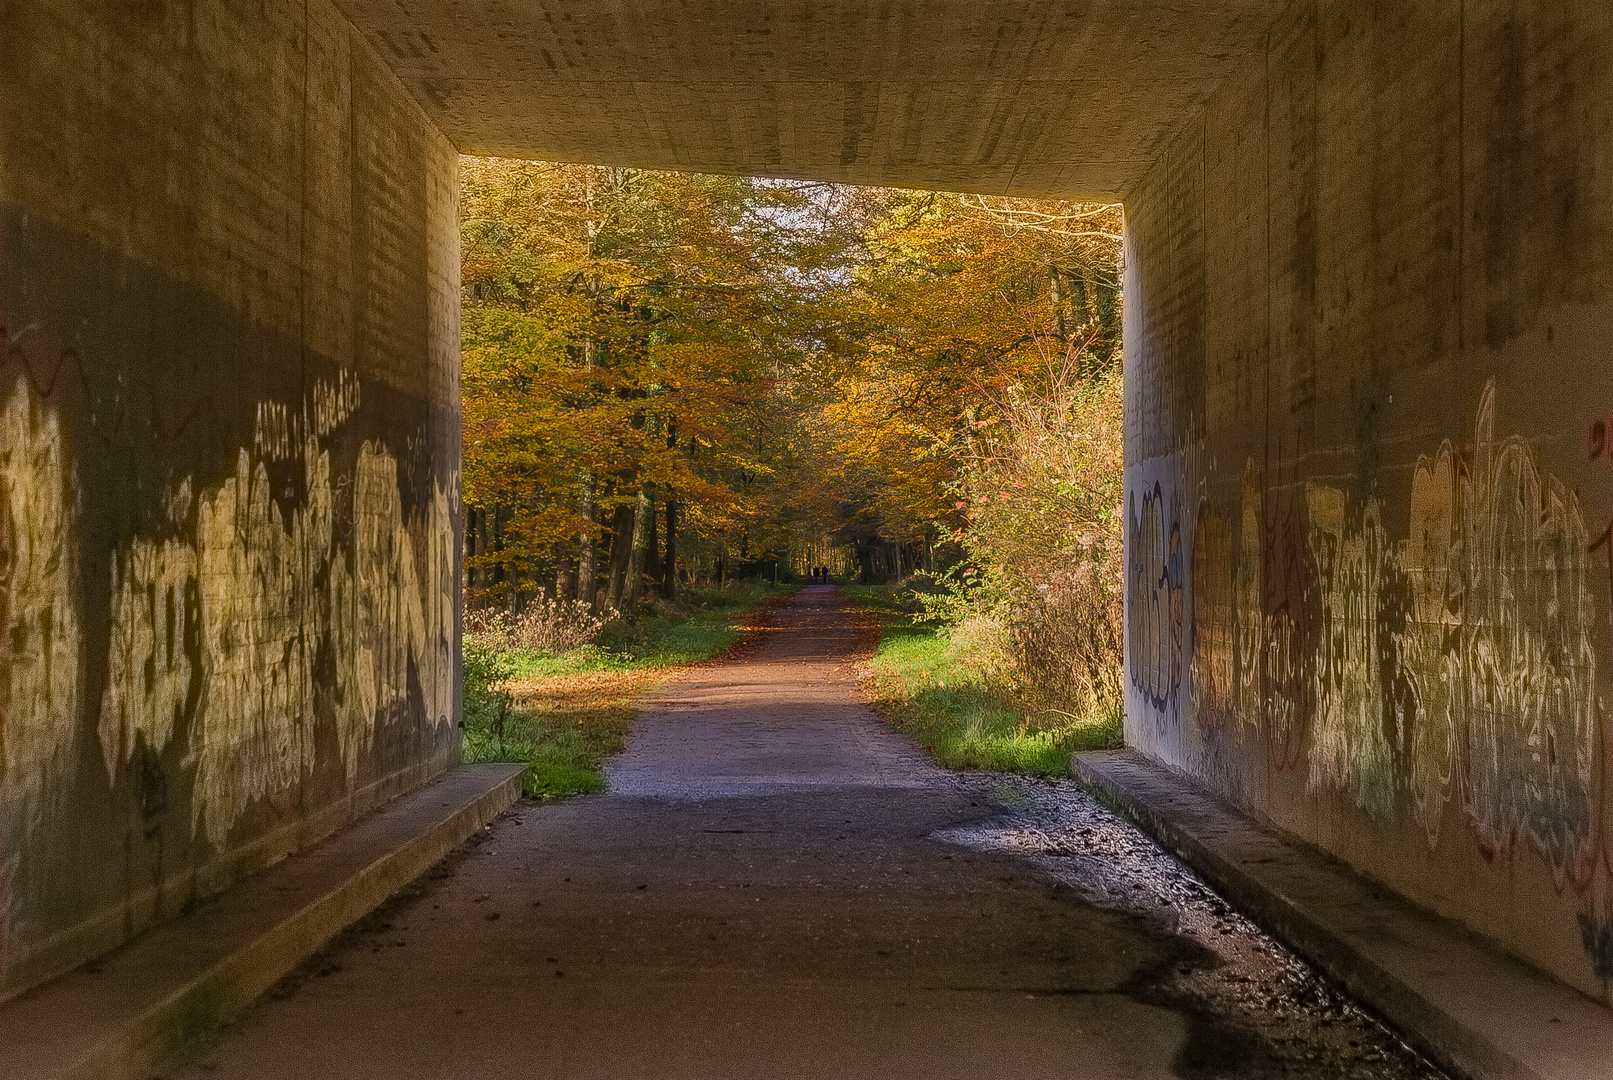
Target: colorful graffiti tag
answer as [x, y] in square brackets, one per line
[1453, 664]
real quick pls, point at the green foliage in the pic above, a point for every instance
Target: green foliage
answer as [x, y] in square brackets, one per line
[884, 601]
[936, 683]
[950, 597]
[488, 701]
[563, 752]
[567, 763]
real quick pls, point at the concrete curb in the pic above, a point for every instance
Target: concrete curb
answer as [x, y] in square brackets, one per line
[1466, 1006]
[127, 1014]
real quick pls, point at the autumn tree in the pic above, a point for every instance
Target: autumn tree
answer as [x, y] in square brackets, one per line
[624, 332]
[958, 302]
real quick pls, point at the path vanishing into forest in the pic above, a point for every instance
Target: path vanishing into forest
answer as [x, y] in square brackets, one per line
[777, 885]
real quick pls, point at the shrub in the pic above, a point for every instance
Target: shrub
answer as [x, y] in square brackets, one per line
[549, 624]
[947, 687]
[1066, 641]
[488, 669]
[1044, 488]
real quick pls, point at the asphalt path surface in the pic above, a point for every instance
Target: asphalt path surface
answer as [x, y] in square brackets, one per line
[777, 885]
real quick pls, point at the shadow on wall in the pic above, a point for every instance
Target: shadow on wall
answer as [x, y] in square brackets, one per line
[234, 630]
[1454, 663]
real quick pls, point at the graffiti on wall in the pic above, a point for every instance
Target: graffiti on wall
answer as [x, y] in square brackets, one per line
[39, 675]
[1348, 557]
[235, 627]
[1214, 677]
[262, 591]
[1450, 667]
[1154, 599]
[1247, 638]
[1456, 659]
[1430, 655]
[1465, 651]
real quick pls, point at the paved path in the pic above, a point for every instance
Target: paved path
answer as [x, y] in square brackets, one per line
[778, 886]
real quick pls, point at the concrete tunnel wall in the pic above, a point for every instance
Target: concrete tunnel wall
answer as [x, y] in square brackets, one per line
[1369, 481]
[229, 455]
[1369, 445]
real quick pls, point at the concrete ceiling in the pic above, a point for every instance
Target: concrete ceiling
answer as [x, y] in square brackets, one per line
[1031, 97]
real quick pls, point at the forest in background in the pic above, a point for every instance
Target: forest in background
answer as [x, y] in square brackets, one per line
[671, 380]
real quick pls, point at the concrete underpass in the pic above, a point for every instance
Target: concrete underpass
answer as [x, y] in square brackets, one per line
[777, 885]
[1369, 296]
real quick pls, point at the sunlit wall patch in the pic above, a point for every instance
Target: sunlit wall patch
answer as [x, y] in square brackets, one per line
[217, 627]
[42, 663]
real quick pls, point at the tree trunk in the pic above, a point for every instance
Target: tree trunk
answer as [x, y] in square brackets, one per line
[565, 573]
[669, 562]
[501, 570]
[587, 572]
[621, 549]
[1083, 311]
[484, 576]
[1056, 302]
[652, 549]
[643, 533]
[1106, 321]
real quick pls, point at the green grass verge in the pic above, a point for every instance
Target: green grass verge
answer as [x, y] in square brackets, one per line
[935, 684]
[567, 713]
[564, 749]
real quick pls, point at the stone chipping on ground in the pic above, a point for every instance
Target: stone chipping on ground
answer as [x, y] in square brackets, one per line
[1069, 838]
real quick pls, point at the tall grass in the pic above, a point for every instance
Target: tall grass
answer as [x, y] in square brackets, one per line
[944, 685]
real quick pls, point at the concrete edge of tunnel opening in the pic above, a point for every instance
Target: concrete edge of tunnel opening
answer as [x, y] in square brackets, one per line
[167, 990]
[1454, 997]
